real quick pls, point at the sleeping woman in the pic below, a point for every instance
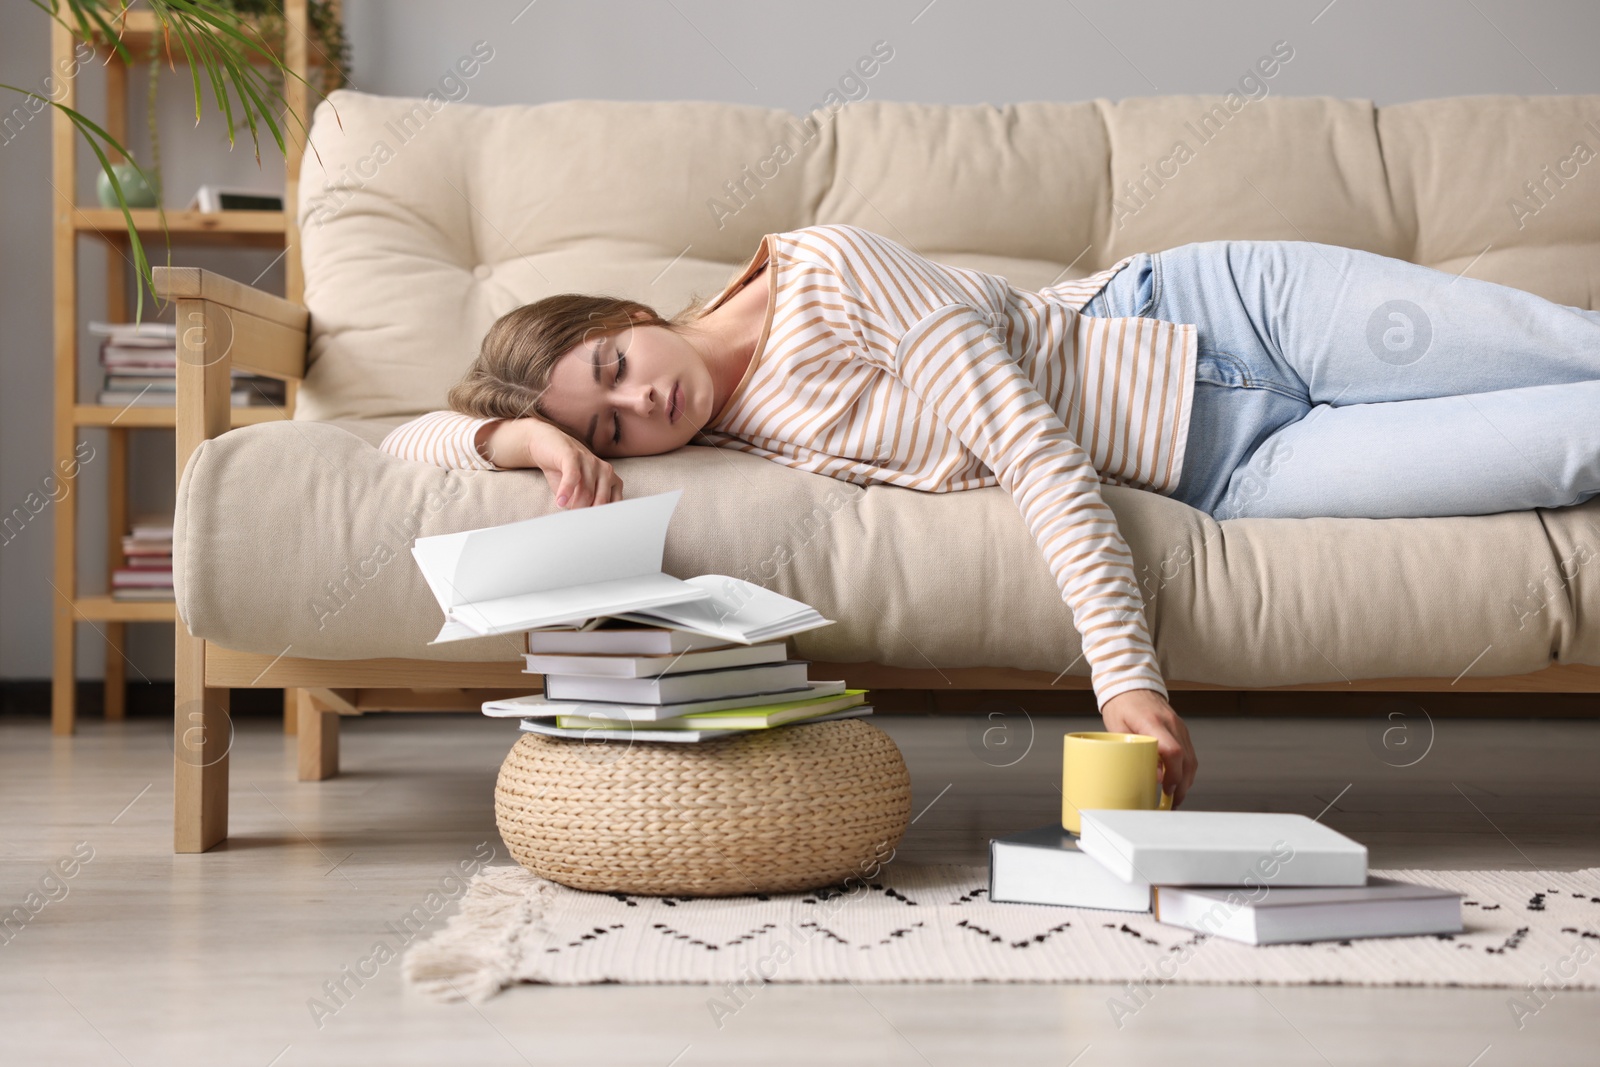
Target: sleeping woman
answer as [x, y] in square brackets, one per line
[1245, 378]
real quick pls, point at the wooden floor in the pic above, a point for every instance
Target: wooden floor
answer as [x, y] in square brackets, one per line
[152, 958]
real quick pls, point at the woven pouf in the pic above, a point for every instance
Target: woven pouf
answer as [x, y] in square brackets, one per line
[797, 807]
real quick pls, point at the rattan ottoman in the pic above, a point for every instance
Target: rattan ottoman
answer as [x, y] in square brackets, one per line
[797, 807]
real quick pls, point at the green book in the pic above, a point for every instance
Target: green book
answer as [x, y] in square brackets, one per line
[756, 718]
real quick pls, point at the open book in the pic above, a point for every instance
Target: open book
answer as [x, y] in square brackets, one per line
[572, 567]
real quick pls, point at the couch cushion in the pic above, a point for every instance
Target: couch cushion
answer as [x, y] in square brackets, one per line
[420, 228]
[317, 564]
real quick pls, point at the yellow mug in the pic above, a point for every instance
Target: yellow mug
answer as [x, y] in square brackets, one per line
[1106, 770]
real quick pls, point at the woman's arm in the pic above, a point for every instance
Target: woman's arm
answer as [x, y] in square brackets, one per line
[956, 360]
[445, 439]
[577, 476]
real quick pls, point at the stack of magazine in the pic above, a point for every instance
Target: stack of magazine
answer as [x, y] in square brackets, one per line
[627, 651]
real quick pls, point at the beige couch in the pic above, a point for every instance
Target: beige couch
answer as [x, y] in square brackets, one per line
[420, 227]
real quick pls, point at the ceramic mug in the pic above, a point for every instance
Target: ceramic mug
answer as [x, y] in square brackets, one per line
[1106, 770]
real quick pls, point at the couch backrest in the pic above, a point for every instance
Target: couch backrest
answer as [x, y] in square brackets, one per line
[424, 220]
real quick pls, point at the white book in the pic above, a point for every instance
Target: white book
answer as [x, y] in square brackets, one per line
[615, 637]
[538, 706]
[742, 719]
[1045, 866]
[644, 733]
[788, 675]
[610, 666]
[734, 610]
[1384, 907]
[574, 566]
[160, 398]
[1223, 848]
[213, 198]
[154, 334]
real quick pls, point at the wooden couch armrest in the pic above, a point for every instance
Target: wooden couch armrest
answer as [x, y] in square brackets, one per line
[223, 324]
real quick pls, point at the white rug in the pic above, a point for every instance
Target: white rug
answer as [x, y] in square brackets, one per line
[936, 924]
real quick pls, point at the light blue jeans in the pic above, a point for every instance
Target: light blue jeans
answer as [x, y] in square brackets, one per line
[1332, 381]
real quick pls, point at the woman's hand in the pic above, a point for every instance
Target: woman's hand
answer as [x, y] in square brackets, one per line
[578, 477]
[1145, 711]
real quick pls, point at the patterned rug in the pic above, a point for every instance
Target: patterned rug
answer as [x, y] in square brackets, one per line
[936, 924]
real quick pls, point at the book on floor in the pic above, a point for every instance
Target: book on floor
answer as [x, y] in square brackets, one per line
[571, 567]
[606, 665]
[1222, 848]
[746, 719]
[1045, 866]
[788, 675]
[538, 705]
[647, 731]
[1384, 907]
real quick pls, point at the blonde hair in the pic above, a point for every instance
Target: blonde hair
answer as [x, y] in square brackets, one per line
[509, 376]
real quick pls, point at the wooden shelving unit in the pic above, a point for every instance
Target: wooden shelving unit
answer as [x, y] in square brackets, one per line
[73, 223]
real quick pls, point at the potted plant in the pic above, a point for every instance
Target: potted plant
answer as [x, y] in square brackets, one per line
[235, 50]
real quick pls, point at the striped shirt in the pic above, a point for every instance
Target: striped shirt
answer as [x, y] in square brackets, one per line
[882, 366]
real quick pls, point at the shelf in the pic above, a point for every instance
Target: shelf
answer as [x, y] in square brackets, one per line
[74, 230]
[262, 229]
[139, 26]
[103, 415]
[105, 609]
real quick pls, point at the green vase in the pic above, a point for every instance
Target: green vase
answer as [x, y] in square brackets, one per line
[137, 191]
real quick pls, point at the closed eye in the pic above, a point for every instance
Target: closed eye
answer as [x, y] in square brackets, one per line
[622, 367]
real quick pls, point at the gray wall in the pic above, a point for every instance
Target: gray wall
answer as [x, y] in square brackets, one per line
[785, 56]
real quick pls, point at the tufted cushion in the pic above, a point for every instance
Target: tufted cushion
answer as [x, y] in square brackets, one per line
[421, 228]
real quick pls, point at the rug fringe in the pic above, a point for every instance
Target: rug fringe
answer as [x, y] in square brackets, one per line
[472, 958]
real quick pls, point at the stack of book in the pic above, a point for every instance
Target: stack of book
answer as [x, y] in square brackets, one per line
[146, 573]
[623, 679]
[1263, 878]
[627, 651]
[140, 361]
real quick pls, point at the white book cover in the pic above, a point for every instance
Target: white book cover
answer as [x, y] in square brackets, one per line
[1384, 907]
[612, 637]
[600, 665]
[1222, 848]
[672, 688]
[1045, 866]
[134, 332]
[537, 705]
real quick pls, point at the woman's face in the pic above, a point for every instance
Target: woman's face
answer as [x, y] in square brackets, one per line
[637, 392]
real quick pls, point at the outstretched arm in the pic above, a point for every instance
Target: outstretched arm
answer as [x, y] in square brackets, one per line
[955, 361]
[577, 476]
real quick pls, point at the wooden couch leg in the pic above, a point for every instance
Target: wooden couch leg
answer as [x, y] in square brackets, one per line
[316, 738]
[202, 738]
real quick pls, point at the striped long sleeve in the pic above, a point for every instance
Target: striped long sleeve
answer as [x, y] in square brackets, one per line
[443, 438]
[956, 361]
